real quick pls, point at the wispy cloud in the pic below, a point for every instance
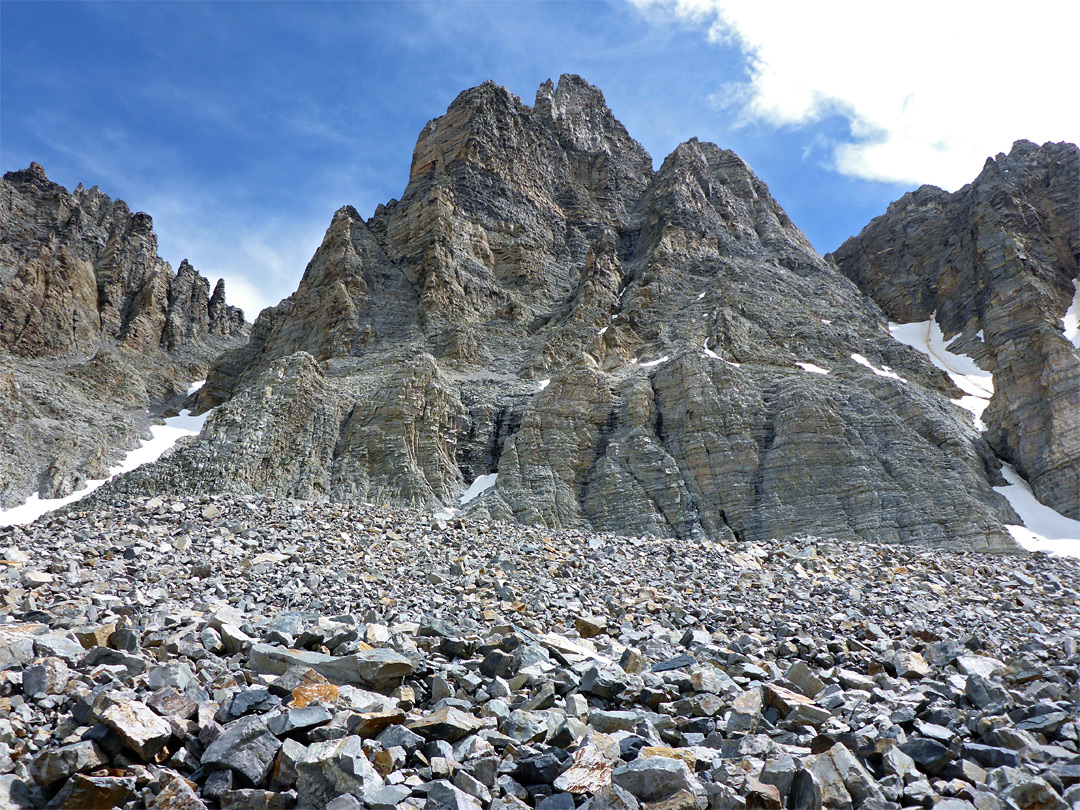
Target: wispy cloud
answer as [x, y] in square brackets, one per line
[929, 89]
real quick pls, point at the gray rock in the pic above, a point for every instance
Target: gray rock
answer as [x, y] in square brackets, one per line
[843, 780]
[82, 792]
[656, 778]
[49, 677]
[408, 362]
[58, 646]
[247, 747]
[444, 796]
[930, 755]
[923, 258]
[293, 720]
[332, 768]
[176, 794]
[56, 764]
[983, 692]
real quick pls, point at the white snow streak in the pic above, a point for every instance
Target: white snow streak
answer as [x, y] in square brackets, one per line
[663, 359]
[926, 336]
[1043, 529]
[163, 437]
[1071, 321]
[977, 384]
[812, 368]
[881, 372]
[544, 384]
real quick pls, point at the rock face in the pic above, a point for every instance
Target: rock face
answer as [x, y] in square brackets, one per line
[999, 258]
[618, 346]
[94, 329]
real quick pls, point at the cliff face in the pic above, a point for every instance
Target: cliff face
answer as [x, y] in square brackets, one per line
[94, 329]
[997, 259]
[620, 347]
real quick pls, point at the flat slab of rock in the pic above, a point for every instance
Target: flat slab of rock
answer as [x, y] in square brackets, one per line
[447, 723]
[379, 669]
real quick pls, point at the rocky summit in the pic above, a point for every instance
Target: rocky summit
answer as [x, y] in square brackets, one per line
[253, 653]
[568, 338]
[95, 329]
[996, 265]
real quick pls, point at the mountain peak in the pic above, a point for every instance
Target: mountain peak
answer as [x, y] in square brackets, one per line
[617, 348]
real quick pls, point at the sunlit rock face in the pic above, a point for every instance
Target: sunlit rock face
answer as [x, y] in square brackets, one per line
[618, 345]
[996, 264]
[95, 328]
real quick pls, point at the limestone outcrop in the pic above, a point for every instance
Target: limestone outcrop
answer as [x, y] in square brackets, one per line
[996, 264]
[649, 352]
[95, 329]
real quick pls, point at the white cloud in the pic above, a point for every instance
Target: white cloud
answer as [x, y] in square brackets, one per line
[930, 89]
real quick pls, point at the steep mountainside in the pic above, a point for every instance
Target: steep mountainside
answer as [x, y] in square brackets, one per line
[996, 264]
[94, 329]
[617, 347]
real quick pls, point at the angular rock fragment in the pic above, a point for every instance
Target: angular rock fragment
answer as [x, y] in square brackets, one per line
[247, 747]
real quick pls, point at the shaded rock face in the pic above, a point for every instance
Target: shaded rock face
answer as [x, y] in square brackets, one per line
[618, 345]
[1000, 256]
[94, 329]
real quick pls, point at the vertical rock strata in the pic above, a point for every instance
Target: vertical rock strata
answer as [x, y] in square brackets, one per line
[999, 258]
[94, 329]
[619, 345]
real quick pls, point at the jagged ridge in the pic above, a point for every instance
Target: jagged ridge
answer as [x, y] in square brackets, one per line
[94, 329]
[537, 243]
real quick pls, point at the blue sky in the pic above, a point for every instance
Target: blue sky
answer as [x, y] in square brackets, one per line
[242, 126]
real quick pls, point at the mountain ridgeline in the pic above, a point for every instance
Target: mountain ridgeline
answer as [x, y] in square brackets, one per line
[95, 329]
[648, 352]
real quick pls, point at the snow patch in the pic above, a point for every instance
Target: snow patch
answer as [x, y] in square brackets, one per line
[1043, 528]
[709, 352]
[163, 437]
[1071, 321]
[701, 296]
[884, 371]
[974, 404]
[651, 363]
[482, 484]
[602, 331]
[544, 384]
[826, 321]
[812, 368]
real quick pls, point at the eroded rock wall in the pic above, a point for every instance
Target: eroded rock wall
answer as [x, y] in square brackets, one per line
[998, 258]
[621, 346]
